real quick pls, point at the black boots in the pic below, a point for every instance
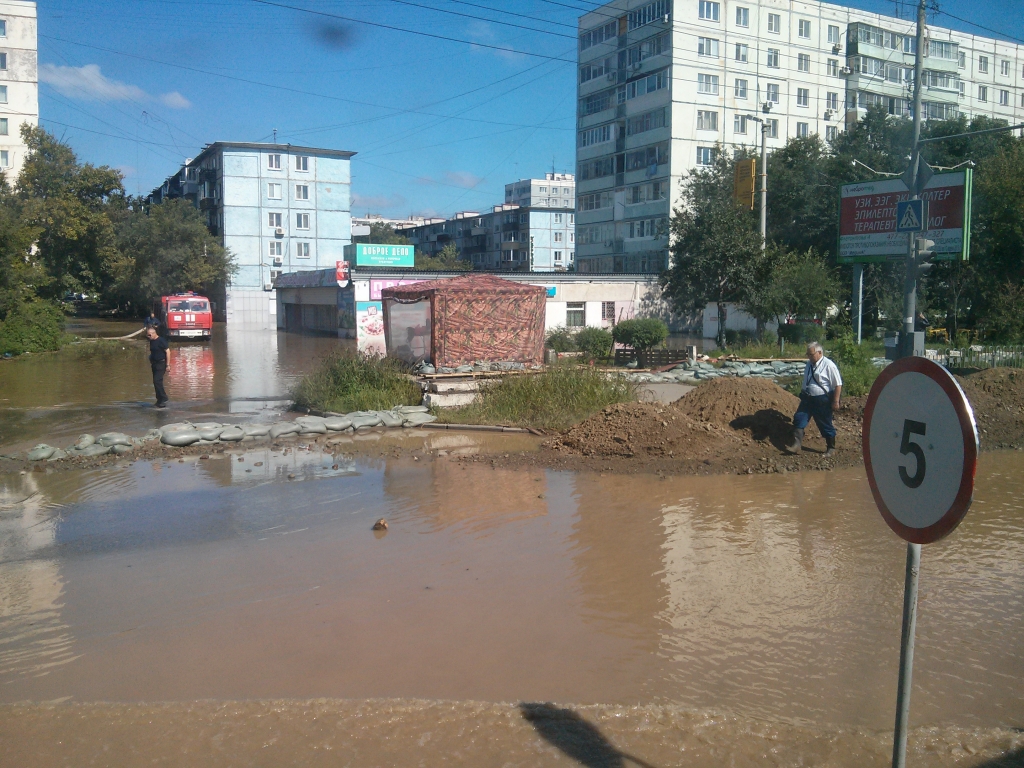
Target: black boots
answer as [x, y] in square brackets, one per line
[830, 449]
[798, 440]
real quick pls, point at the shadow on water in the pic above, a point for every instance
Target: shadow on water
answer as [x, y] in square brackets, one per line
[580, 740]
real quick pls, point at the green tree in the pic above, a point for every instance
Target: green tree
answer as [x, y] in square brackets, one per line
[641, 334]
[446, 261]
[65, 201]
[790, 283]
[1004, 320]
[715, 245]
[382, 233]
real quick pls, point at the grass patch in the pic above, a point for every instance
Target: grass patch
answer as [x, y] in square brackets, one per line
[558, 398]
[345, 382]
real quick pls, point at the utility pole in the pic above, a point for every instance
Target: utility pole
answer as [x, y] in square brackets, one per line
[914, 178]
[764, 185]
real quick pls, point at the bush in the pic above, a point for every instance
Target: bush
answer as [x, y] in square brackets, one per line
[595, 343]
[855, 365]
[801, 333]
[739, 338]
[559, 397]
[640, 334]
[345, 382]
[36, 326]
[562, 339]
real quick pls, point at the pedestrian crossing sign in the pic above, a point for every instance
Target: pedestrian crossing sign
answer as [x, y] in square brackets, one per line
[911, 216]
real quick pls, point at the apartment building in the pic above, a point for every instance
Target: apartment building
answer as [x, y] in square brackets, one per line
[534, 230]
[662, 84]
[19, 82]
[278, 208]
[361, 224]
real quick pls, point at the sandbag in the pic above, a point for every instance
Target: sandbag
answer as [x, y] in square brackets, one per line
[84, 441]
[210, 432]
[418, 419]
[256, 430]
[180, 437]
[412, 409]
[390, 419]
[283, 428]
[41, 452]
[153, 434]
[370, 420]
[110, 439]
[311, 426]
[232, 434]
[58, 455]
[176, 427]
[338, 423]
[121, 448]
[93, 450]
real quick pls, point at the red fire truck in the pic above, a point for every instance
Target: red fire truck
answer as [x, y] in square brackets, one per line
[186, 316]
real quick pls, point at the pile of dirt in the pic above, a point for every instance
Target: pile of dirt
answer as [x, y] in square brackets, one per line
[643, 429]
[997, 397]
[728, 400]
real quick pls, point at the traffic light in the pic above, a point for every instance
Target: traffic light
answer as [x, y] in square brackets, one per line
[924, 256]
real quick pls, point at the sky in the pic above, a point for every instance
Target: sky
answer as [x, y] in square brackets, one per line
[444, 101]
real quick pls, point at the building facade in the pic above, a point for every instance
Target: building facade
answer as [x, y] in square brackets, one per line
[361, 224]
[661, 84]
[277, 208]
[19, 82]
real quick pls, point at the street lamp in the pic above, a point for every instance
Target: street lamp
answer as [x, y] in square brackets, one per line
[766, 108]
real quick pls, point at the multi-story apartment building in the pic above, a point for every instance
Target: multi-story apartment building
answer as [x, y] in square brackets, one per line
[533, 231]
[662, 84]
[278, 208]
[19, 82]
[361, 224]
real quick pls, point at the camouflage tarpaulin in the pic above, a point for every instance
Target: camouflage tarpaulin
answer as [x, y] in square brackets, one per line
[478, 317]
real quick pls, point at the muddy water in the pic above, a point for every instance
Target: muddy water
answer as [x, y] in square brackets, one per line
[744, 616]
[62, 395]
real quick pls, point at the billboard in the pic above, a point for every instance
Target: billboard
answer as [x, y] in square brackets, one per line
[744, 182]
[370, 328]
[868, 223]
[374, 255]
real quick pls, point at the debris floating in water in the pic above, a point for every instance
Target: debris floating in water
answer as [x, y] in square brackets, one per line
[380, 525]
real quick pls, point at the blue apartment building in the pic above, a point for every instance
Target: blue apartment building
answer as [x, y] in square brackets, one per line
[277, 208]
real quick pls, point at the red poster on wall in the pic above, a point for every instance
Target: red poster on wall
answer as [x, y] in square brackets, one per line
[341, 273]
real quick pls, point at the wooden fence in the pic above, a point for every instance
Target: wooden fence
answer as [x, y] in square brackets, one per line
[652, 357]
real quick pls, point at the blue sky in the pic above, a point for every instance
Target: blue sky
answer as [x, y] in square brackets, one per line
[440, 125]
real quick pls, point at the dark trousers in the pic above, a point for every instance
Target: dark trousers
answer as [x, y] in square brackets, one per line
[818, 407]
[159, 369]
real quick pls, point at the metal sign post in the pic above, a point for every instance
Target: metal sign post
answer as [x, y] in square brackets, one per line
[920, 449]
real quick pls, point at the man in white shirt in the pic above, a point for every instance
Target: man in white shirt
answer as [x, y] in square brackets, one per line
[819, 397]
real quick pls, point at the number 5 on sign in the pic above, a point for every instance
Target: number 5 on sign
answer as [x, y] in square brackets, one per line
[920, 449]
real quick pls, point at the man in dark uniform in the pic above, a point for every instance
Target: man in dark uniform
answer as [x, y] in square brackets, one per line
[158, 361]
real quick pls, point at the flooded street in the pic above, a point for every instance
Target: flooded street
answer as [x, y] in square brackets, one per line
[707, 608]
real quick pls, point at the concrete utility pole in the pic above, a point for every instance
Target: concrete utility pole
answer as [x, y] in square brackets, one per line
[764, 185]
[914, 178]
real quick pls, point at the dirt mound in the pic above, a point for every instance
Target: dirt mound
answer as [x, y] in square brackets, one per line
[644, 429]
[997, 396]
[722, 401]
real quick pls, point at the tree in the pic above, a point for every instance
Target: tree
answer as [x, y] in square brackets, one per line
[715, 245]
[66, 202]
[641, 334]
[382, 233]
[1004, 320]
[447, 260]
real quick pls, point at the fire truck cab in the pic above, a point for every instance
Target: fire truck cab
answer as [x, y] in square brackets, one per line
[186, 316]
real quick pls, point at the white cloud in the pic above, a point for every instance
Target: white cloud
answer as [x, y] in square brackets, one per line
[88, 83]
[463, 179]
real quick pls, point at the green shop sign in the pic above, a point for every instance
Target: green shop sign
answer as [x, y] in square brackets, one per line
[371, 255]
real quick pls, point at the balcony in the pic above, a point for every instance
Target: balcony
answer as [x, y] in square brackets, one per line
[209, 203]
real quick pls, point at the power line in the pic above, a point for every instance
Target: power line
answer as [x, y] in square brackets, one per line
[477, 18]
[513, 13]
[101, 133]
[979, 26]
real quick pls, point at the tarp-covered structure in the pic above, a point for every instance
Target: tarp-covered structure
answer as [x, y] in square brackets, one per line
[463, 319]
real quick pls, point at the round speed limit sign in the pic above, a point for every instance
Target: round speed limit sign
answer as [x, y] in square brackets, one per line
[920, 449]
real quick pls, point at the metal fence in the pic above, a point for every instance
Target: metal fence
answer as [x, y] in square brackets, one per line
[984, 356]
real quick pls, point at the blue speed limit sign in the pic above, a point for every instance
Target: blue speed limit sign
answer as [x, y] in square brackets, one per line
[920, 449]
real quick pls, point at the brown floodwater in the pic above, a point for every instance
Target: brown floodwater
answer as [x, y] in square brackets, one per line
[230, 613]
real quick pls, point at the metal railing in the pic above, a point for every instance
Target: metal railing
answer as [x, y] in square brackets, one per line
[984, 356]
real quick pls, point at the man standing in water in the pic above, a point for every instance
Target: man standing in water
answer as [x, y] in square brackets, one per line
[158, 362]
[819, 397]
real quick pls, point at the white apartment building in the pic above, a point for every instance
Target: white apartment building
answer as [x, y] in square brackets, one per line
[555, 190]
[661, 83]
[19, 81]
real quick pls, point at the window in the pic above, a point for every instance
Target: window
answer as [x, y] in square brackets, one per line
[274, 220]
[3, 126]
[804, 28]
[595, 69]
[522, 218]
[833, 67]
[596, 102]
[1004, 98]
[1004, 68]
[833, 34]
[653, 82]
[963, 89]
[801, 130]
[3, 61]
[575, 314]
[5, 161]
[592, 136]
[302, 250]
[276, 248]
[646, 193]
[648, 121]
[739, 124]
[558, 255]
[771, 92]
[741, 52]
[740, 89]
[302, 192]
[596, 169]
[803, 62]
[832, 101]
[3, 28]
[742, 17]
[962, 60]
[705, 155]
[558, 237]
[608, 310]
[274, 162]
[643, 50]
[558, 218]
[831, 133]
[3, 94]
[707, 84]
[803, 97]
[649, 13]
[709, 10]
[302, 221]
[274, 191]
[982, 93]
[773, 128]
[707, 46]
[599, 34]
[707, 120]
[644, 228]
[983, 63]
[773, 58]
[654, 155]
[774, 23]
